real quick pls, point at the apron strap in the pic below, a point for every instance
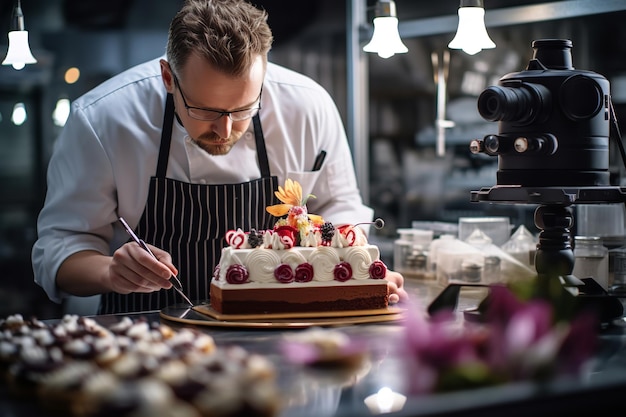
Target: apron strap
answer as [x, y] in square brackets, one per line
[261, 151]
[166, 136]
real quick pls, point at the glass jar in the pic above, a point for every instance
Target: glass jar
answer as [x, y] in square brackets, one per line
[618, 283]
[591, 259]
[410, 254]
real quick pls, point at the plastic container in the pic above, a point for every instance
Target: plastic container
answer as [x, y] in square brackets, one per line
[458, 262]
[410, 252]
[617, 283]
[522, 246]
[603, 220]
[435, 245]
[497, 228]
[591, 259]
[439, 228]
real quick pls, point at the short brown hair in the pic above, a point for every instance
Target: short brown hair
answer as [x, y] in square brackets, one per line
[229, 34]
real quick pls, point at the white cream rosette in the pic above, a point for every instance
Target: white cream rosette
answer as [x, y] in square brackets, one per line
[360, 261]
[324, 259]
[339, 241]
[293, 259]
[311, 240]
[261, 264]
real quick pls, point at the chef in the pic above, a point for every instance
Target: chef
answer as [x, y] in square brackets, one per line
[185, 148]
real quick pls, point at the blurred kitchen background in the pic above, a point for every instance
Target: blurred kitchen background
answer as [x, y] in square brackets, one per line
[404, 179]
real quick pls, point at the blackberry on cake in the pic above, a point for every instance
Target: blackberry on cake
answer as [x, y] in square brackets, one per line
[327, 231]
[255, 238]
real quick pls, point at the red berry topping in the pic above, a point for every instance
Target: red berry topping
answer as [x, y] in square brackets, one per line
[342, 272]
[236, 274]
[304, 272]
[283, 273]
[378, 270]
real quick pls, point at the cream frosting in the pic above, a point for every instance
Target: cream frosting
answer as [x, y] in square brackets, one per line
[261, 263]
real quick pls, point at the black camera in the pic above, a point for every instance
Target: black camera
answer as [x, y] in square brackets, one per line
[554, 122]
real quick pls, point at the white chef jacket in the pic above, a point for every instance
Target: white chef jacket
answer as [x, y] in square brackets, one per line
[102, 162]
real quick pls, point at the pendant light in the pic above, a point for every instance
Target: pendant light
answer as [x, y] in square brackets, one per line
[19, 53]
[386, 40]
[471, 35]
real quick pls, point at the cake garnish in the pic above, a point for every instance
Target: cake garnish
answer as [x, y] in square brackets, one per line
[236, 238]
[312, 240]
[378, 270]
[286, 235]
[294, 207]
[304, 272]
[236, 274]
[299, 247]
[342, 272]
[255, 238]
[328, 231]
[283, 273]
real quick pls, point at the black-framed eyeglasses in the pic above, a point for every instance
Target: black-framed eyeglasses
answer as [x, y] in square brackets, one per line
[209, 115]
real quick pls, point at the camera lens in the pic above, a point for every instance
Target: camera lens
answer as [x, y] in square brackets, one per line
[522, 104]
[492, 144]
[503, 104]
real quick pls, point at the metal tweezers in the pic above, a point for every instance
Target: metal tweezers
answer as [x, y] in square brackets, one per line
[178, 286]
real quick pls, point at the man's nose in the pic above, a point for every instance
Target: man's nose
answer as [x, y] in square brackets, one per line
[223, 126]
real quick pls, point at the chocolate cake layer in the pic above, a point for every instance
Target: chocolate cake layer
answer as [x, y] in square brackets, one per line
[299, 299]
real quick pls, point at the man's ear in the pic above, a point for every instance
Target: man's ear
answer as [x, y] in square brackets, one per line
[167, 76]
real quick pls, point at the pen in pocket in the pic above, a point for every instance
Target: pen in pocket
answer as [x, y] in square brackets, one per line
[319, 160]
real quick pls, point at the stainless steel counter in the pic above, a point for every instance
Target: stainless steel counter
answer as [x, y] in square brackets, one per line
[320, 393]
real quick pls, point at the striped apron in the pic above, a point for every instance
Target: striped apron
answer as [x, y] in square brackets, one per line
[190, 222]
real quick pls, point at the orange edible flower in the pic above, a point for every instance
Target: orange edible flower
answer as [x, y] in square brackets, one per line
[316, 219]
[291, 196]
[278, 210]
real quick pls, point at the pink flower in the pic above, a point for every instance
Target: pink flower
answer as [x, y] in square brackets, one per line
[438, 347]
[518, 340]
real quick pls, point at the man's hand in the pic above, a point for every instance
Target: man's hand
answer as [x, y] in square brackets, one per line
[395, 282]
[133, 269]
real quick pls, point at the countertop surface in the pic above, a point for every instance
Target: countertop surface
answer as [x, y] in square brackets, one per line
[323, 392]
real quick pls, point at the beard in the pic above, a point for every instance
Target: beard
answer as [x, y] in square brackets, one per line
[213, 144]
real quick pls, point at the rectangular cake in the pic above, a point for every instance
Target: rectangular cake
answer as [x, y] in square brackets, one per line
[253, 298]
[298, 280]
[304, 264]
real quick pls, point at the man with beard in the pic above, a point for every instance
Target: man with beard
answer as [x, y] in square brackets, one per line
[185, 148]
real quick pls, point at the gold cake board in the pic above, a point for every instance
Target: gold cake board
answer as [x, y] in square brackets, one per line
[204, 315]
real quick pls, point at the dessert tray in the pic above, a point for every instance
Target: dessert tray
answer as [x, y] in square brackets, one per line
[204, 315]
